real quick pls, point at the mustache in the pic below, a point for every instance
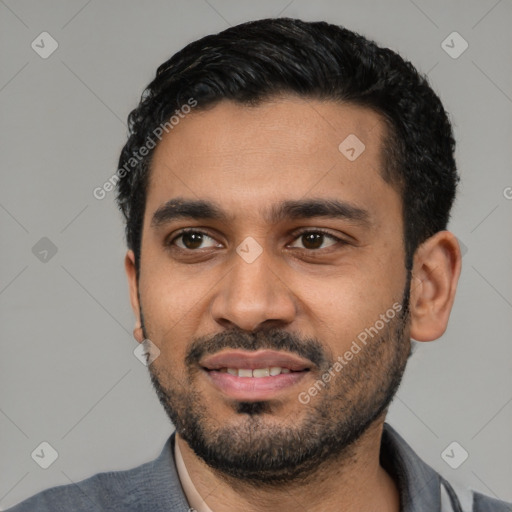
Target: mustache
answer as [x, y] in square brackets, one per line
[273, 339]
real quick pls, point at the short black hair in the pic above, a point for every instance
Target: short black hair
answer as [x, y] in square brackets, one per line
[258, 60]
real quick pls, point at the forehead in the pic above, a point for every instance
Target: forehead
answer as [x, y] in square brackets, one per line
[287, 148]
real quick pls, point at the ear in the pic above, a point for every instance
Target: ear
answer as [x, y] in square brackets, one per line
[131, 274]
[435, 273]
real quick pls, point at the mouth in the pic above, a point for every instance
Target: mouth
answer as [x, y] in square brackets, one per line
[254, 376]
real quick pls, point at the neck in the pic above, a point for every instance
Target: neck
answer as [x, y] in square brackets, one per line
[354, 482]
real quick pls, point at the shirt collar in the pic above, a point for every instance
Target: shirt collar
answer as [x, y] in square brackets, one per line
[418, 484]
[195, 500]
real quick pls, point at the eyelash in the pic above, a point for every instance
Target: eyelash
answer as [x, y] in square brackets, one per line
[297, 235]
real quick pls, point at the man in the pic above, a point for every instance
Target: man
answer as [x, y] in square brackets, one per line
[286, 188]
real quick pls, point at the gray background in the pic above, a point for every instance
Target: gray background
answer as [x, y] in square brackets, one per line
[68, 373]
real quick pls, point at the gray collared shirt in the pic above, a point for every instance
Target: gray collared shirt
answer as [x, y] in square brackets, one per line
[155, 486]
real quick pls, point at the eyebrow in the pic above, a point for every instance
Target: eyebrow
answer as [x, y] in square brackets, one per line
[180, 208]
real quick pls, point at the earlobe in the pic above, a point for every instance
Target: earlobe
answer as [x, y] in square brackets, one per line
[137, 333]
[131, 274]
[435, 274]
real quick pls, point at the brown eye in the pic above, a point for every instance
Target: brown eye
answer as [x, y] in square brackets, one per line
[312, 240]
[191, 240]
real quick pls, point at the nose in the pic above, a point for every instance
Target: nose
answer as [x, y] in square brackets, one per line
[253, 296]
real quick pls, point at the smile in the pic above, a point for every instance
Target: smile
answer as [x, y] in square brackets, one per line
[254, 376]
[257, 373]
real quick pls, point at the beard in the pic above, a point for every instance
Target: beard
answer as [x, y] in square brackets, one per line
[261, 448]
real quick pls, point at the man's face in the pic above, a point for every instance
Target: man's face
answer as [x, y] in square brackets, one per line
[286, 294]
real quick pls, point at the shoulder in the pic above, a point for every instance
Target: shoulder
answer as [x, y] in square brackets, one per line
[482, 503]
[463, 499]
[422, 488]
[153, 484]
[103, 491]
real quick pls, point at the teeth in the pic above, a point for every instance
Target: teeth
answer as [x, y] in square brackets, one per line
[258, 372]
[261, 372]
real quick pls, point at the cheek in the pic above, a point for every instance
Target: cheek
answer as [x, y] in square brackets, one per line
[167, 292]
[174, 305]
[351, 301]
[164, 306]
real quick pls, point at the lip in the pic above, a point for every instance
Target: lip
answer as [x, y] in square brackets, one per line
[254, 388]
[255, 359]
